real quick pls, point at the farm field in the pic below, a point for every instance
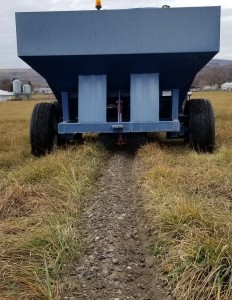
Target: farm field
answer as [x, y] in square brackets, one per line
[186, 200]
[40, 201]
[189, 202]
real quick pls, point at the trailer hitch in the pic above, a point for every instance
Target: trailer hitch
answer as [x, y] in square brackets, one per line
[121, 141]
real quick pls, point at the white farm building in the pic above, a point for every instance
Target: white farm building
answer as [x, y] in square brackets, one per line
[4, 95]
[227, 86]
[43, 90]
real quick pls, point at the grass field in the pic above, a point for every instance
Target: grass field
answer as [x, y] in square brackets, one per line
[40, 201]
[189, 201]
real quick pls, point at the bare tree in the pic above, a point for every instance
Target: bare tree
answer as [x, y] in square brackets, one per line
[211, 75]
[6, 84]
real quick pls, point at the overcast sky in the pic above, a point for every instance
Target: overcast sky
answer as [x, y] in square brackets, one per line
[8, 52]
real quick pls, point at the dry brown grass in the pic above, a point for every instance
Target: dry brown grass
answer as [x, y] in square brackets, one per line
[40, 202]
[189, 200]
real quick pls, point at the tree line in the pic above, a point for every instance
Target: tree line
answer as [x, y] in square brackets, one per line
[213, 75]
[6, 84]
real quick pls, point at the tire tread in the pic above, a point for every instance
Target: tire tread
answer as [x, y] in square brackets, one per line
[201, 125]
[41, 128]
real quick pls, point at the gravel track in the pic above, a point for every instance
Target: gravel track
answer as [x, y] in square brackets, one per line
[117, 263]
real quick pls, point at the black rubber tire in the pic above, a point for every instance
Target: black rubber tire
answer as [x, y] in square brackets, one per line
[43, 128]
[78, 137]
[58, 108]
[186, 121]
[201, 124]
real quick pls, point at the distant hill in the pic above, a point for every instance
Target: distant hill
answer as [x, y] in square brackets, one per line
[217, 71]
[24, 75]
[220, 62]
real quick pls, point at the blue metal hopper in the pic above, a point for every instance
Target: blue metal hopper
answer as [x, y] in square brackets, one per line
[123, 53]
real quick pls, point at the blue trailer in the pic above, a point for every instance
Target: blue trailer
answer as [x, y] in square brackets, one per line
[120, 71]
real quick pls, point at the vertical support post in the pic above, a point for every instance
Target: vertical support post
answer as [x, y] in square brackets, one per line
[65, 107]
[92, 98]
[119, 107]
[175, 104]
[145, 97]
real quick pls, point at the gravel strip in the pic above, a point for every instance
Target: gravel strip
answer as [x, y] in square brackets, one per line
[117, 264]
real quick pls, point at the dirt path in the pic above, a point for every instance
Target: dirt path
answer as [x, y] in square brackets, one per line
[117, 264]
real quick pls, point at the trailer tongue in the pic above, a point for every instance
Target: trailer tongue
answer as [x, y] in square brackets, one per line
[120, 71]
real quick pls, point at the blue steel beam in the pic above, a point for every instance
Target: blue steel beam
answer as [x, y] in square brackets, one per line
[175, 104]
[110, 127]
[65, 107]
